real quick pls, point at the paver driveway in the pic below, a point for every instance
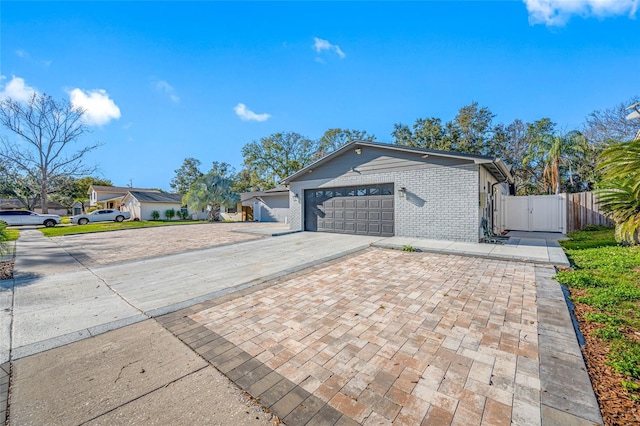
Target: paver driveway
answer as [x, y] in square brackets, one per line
[383, 336]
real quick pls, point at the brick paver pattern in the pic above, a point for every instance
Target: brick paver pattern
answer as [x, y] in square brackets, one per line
[405, 338]
[106, 248]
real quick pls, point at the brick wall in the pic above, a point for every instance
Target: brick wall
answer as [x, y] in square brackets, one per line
[440, 202]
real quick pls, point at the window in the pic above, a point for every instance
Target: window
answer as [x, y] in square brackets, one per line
[232, 209]
[360, 192]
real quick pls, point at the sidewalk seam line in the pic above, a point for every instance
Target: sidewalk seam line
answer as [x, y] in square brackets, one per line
[143, 395]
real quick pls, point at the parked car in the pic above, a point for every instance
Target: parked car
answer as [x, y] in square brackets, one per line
[26, 217]
[104, 215]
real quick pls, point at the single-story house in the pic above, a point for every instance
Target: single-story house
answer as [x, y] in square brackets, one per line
[268, 206]
[142, 203]
[16, 204]
[372, 188]
[110, 197]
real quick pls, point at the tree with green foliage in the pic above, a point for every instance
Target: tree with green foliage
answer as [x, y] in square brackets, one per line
[334, 139]
[46, 129]
[155, 215]
[426, 133]
[619, 191]
[557, 156]
[274, 157]
[211, 191]
[186, 175]
[470, 132]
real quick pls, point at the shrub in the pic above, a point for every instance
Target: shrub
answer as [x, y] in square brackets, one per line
[170, 213]
[155, 215]
[183, 214]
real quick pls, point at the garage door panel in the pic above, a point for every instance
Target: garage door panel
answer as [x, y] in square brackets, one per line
[362, 210]
[387, 228]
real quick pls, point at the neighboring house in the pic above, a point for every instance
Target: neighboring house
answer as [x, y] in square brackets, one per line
[142, 203]
[371, 188]
[268, 206]
[16, 204]
[79, 207]
[110, 197]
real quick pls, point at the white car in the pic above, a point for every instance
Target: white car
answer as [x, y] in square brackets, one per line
[26, 217]
[104, 215]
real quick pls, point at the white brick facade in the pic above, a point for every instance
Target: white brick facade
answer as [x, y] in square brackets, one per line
[439, 202]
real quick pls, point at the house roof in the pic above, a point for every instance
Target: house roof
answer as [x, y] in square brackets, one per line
[17, 204]
[156, 197]
[495, 165]
[118, 189]
[245, 196]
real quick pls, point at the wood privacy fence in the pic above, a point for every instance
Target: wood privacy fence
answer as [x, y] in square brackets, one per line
[582, 210]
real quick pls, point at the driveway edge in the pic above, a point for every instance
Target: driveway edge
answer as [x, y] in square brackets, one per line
[229, 290]
[567, 395]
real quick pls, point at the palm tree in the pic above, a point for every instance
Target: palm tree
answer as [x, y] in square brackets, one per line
[211, 191]
[619, 193]
[553, 153]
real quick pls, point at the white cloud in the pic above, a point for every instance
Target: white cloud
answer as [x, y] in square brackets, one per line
[558, 12]
[16, 89]
[247, 115]
[99, 108]
[319, 45]
[168, 89]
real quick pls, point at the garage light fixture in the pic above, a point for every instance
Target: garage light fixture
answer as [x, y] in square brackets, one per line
[402, 191]
[358, 151]
[295, 196]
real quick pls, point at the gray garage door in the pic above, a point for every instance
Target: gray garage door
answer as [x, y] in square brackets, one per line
[362, 210]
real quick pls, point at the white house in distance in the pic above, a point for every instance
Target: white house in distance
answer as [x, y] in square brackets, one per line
[110, 197]
[141, 204]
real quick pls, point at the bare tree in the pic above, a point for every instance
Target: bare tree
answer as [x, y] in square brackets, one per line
[46, 131]
[604, 127]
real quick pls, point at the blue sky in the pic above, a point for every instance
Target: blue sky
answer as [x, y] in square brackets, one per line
[163, 81]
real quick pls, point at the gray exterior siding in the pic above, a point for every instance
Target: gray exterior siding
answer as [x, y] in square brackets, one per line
[275, 208]
[441, 199]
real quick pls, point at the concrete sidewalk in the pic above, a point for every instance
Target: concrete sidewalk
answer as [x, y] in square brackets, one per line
[534, 247]
[138, 374]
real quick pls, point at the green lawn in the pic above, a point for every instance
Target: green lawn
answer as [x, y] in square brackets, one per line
[110, 226]
[11, 234]
[606, 277]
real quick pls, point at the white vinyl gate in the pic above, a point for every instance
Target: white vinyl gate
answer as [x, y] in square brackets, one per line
[545, 213]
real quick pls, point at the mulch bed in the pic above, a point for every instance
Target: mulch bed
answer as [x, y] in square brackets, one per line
[6, 270]
[615, 405]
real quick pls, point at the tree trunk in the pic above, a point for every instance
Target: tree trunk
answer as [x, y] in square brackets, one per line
[215, 212]
[43, 197]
